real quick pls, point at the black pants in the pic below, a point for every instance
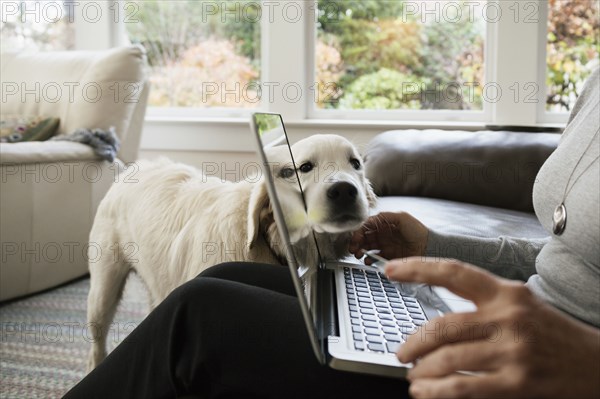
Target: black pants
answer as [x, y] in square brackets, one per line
[235, 331]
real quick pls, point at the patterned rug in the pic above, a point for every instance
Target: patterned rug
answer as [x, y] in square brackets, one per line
[44, 339]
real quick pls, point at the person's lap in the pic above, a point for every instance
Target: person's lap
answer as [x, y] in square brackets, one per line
[234, 331]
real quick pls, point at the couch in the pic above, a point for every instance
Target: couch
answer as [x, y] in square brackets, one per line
[461, 183]
[50, 190]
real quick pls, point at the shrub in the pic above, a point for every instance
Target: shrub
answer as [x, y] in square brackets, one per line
[329, 69]
[213, 61]
[384, 89]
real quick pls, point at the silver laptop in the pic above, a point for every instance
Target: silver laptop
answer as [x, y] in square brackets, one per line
[356, 318]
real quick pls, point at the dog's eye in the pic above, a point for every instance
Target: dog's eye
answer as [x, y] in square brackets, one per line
[355, 163]
[306, 167]
[286, 173]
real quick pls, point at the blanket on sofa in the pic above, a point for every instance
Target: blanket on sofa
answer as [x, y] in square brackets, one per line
[105, 143]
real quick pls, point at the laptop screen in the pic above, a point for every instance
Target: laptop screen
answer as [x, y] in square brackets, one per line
[280, 160]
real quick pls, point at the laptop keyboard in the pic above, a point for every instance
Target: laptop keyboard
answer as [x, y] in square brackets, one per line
[380, 316]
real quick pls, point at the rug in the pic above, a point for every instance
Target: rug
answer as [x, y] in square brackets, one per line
[44, 339]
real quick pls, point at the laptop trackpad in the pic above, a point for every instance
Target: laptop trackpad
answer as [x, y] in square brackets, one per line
[456, 303]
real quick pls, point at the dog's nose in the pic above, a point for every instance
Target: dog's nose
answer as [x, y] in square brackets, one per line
[342, 193]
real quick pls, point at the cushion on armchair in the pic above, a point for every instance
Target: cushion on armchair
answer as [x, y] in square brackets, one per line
[85, 89]
[14, 129]
[493, 168]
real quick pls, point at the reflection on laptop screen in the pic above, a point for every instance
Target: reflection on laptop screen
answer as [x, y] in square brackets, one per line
[270, 130]
[289, 193]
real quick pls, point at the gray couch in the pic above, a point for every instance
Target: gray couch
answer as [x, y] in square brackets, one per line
[457, 182]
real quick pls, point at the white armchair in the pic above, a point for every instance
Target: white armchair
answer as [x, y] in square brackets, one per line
[49, 191]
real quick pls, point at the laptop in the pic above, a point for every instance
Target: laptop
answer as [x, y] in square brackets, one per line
[355, 317]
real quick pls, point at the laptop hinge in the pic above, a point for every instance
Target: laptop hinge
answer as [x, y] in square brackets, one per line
[327, 304]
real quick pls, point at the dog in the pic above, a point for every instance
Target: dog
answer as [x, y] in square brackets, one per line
[168, 222]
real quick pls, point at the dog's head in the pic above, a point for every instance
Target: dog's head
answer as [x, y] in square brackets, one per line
[337, 194]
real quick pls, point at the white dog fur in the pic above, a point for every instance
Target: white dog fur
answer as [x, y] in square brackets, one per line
[169, 222]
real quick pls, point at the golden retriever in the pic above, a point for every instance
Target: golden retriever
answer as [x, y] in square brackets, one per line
[173, 222]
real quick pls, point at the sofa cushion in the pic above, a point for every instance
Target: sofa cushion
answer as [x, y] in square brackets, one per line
[450, 217]
[490, 168]
[44, 152]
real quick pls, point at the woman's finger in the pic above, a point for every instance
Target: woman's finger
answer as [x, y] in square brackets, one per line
[464, 356]
[449, 329]
[356, 243]
[465, 280]
[458, 386]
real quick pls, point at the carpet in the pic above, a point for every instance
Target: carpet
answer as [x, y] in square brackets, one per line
[44, 339]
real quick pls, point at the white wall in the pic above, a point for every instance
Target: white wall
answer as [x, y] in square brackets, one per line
[228, 146]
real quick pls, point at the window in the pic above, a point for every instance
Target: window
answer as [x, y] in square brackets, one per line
[201, 54]
[37, 25]
[572, 50]
[388, 55]
[473, 62]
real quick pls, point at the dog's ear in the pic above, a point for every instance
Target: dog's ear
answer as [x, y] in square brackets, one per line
[259, 207]
[371, 197]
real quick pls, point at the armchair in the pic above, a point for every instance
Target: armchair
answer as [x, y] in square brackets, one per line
[50, 190]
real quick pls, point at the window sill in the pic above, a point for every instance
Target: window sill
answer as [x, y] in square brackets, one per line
[326, 123]
[220, 134]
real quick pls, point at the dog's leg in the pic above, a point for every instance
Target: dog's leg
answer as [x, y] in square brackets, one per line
[108, 273]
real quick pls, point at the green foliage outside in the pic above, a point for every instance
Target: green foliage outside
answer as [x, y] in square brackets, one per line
[572, 49]
[446, 57]
[167, 28]
[382, 46]
[21, 31]
[266, 122]
[193, 48]
[365, 51]
[384, 89]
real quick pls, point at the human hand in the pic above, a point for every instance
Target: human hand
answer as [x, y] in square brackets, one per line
[518, 345]
[396, 235]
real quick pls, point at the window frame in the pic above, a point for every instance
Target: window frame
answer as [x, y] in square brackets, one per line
[451, 116]
[284, 44]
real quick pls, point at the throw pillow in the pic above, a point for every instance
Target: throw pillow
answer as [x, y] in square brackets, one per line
[23, 128]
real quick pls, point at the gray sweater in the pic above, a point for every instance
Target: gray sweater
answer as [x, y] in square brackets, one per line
[563, 270]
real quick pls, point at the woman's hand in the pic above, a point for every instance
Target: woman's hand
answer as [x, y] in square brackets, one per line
[517, 345]
[396, 235]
